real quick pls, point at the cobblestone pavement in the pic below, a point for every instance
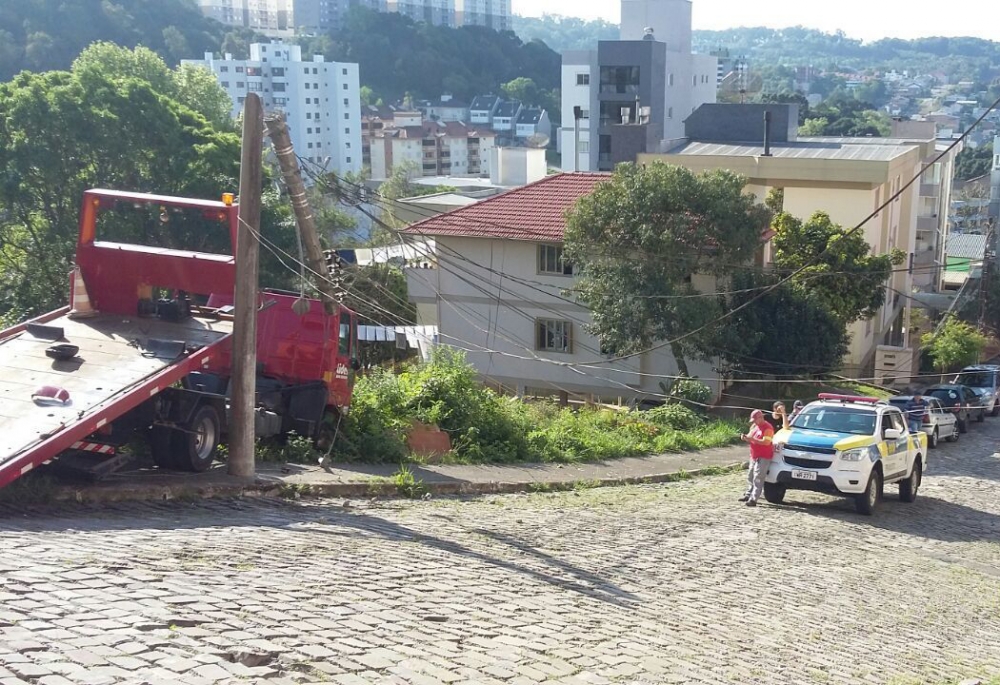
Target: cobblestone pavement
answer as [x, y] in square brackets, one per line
[652, 584]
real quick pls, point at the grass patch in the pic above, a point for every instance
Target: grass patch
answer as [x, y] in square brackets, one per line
[485, 427]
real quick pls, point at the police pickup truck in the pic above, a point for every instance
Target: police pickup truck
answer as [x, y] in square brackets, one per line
[851, 446]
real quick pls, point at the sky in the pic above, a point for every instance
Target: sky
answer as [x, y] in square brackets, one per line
[864, 19]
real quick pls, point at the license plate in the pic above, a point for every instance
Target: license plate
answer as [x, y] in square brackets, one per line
[804, 475]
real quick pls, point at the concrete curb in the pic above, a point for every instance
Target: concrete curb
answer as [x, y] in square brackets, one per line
[273, 488]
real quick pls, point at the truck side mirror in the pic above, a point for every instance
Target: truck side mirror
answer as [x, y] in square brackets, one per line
[355, 364]
[892, 434]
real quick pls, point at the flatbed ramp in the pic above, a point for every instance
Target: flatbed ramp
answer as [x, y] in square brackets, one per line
[121, 363]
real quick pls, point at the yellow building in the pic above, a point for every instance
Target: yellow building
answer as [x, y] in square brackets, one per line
[848, 178]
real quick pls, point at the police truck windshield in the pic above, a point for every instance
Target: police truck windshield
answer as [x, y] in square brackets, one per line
[836, 419]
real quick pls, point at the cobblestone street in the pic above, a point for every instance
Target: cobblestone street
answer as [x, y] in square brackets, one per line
[654, 584]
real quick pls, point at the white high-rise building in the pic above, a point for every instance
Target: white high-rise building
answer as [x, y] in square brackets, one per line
[321, 100]
[616, 74]
[494, 14]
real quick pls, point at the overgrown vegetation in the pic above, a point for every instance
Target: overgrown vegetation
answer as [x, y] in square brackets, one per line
[487, 427]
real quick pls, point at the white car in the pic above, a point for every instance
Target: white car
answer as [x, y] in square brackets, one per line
[984, 379]
[851, 446]
[939, 423]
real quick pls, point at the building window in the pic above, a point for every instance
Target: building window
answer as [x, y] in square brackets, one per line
[241, 84]
[239, 70]
[552, 261]
[348, 160]
[315, 70]
[670, 113]
[584, 113]
[347, 145]
[344, 72]
[583, 79]
[309, 115]
[584, 146]
[619, 79]
[278, 87]
[552, 335]
[670, 80]
[347, 103]
[277, 71]
[225, 84]
[224, 69]
[347, 115]
[309, 130]
[347, 131]
[345, 86]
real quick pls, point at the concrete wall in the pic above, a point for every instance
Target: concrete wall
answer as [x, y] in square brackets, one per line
[579, 63]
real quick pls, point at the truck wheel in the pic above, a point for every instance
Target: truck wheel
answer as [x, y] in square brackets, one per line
[908, 488]
[774, 493]
[163, 447]
[867, 502]
[199, 440]
[934, 439]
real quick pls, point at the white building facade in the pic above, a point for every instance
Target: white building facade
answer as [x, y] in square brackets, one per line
[494, 14]
[321, 100]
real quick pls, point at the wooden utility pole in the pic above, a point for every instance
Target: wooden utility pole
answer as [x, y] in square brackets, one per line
[242, 436]
[277, 129]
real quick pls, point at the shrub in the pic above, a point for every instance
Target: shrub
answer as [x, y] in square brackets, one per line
[673, 416]
[691, 390]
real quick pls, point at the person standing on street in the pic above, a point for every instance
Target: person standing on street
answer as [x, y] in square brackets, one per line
[915, 410]
[760, 438]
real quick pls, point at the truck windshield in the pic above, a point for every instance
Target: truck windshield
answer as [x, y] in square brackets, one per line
[837, 420]
[154, 225]
[975, 379]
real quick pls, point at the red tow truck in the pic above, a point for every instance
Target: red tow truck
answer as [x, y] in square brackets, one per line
[144, 349]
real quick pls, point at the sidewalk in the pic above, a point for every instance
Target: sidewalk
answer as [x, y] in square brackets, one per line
[366, 480]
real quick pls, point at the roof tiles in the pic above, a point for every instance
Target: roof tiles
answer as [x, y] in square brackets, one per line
[535, 212]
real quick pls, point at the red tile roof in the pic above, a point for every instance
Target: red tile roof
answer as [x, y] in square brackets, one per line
[535, 212]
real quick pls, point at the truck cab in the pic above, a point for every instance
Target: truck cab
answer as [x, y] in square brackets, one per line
[850, 446]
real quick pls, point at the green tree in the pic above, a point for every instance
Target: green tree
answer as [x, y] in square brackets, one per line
[64, 132]
[974, 162]
[764, 336]
[953, 345]
[639, 238]
[839, 269]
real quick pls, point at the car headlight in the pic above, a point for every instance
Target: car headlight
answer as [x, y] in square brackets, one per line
[859, 454]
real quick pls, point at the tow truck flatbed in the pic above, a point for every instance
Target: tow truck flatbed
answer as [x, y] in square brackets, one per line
[122, 362]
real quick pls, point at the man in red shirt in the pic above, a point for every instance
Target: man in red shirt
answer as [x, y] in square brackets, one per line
[760, 438]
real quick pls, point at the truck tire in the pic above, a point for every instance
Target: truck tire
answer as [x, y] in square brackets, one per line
[867, 502]
[774, 493]
[908, 488]
[198, 441]
[163, 447]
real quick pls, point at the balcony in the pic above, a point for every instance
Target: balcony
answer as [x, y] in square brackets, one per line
[927, 223]
[930, 190]
[923, 258]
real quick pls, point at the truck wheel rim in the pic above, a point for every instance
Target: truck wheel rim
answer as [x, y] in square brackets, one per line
[204, 439]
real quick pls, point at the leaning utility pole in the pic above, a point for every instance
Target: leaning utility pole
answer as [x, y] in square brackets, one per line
[241, 433]
[277, 129]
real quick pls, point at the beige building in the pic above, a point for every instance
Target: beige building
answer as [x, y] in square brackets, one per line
[495, 289]
[848, 178]
[436, 148]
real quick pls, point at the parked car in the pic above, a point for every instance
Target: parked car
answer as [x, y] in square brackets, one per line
[960, 400]
[937, 422]
[984, 379]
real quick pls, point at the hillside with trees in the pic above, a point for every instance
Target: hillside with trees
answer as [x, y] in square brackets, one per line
[400, 57]
[44, 35]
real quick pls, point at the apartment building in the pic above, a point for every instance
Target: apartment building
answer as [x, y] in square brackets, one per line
[437, 12]
[847, 178]
[650, 71]
[435, 148]
[494, 14]
[321, 100]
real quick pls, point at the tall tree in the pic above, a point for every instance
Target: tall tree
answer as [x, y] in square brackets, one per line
[839, 269]
[638, 240]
